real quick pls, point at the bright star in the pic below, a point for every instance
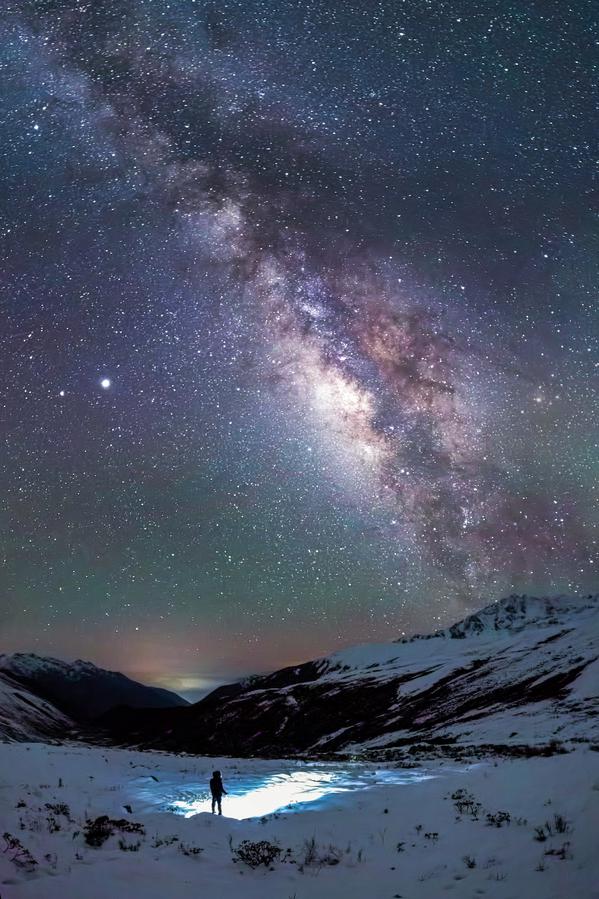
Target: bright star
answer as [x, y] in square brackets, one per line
[105, 383]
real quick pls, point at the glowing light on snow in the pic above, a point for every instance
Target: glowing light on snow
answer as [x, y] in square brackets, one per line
[254, 797]
[275, 793]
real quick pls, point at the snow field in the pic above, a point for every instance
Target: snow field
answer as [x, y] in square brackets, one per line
[411, 840]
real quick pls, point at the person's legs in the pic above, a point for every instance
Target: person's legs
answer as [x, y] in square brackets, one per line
[213, 803]
[219, 800]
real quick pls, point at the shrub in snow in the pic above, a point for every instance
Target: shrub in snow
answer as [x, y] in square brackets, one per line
[563, 852]
[190, 850]
[257, 853]
[560, 824]
[498, 819]
[315, 856]
[466, 803]
[17, 853]
[549, 828]
[102, 828]
[53, 824]
[59, 808]
[157, 842]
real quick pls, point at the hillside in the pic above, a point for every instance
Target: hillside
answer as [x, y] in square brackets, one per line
[521, 671]
[81, 689]
[26, 717]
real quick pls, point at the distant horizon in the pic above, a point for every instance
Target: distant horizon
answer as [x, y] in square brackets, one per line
[193, 686]
[206, 683]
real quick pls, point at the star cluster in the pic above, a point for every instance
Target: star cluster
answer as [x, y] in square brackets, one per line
[299, 340]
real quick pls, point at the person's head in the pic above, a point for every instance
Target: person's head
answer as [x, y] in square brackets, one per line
[216, 773]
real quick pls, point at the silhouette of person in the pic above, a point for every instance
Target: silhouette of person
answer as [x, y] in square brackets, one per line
[217, 790]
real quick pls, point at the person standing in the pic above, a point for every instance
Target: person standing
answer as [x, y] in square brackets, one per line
[217, 789]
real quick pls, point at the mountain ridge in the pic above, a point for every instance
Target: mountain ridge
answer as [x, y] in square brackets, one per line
[507, 613]
[522, 666]
[80, 689]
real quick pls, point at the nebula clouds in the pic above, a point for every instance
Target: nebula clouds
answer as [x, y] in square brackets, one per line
[313, 311]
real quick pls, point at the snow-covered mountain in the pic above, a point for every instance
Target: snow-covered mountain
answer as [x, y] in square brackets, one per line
[514, 614]
[80, 689]
[523, 670]
[26, 717]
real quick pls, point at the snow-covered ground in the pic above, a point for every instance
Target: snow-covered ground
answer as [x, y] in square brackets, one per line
[354, 831]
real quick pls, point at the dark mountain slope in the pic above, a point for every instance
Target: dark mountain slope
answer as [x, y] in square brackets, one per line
[26, 717]
[524, 669]
[80, 689]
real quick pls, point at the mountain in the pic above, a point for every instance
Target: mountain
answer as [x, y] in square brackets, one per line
[521, 671]
[26, 717]
[80, 689]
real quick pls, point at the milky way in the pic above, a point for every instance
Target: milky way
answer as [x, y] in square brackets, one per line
[300, 340]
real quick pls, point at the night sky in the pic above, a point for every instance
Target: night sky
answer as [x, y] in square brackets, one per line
[299, 323]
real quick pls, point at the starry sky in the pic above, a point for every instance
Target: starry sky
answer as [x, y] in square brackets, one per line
[300, 330]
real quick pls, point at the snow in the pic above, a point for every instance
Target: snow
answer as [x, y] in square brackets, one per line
[25, 716]
[29, 665]
[512, 621]
[260, 793]
[361, 811]
[523, 673]
[513, 638]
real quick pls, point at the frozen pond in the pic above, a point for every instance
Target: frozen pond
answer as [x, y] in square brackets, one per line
[254, 794]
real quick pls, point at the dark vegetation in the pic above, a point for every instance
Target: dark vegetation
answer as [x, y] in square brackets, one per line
[100, 829]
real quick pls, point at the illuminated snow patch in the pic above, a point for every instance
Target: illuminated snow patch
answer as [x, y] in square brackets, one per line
[276, 792]
[256, 796]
